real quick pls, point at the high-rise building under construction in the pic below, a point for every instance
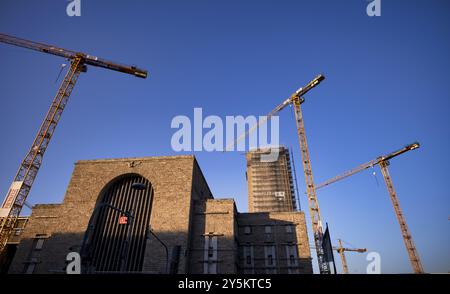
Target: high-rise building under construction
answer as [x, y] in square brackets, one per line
[270, 181]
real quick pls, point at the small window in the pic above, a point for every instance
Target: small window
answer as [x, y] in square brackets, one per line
[291, 252]
[211, 250]
[292, 259]
[210, 257]
[270, 259]
[268, 229]
[39, 244]
[30, 268]
[248, 254]
[247, 230]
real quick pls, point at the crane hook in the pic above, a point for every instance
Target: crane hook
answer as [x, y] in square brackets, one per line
[63, 65]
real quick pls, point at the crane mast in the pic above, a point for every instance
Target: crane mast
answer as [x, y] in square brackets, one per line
[406, 234]
[313, 204]
[383, 162]
[296, 100]
[30, 165]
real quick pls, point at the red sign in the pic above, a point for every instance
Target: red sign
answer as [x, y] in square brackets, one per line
[123, 220]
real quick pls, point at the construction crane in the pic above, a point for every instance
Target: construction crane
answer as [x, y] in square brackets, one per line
[340, 249]
[29, 167]
[383, 162]
[296, 99]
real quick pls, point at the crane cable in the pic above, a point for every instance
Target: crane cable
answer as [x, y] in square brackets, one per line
[63, 65]
[375, 176]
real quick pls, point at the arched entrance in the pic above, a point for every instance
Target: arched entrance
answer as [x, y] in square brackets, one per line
[116, 237]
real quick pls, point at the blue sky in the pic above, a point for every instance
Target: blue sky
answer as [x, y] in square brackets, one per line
[387, 84]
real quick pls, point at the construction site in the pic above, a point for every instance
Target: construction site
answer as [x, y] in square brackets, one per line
[159, 214]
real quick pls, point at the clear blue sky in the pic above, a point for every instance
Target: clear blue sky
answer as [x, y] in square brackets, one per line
[387, 84]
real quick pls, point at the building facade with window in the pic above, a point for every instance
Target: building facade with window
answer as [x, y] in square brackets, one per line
[156, 215]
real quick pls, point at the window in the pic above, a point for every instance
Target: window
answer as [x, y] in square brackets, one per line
[289, 229]
[39, 241]
[175, 260]
[248, 254]
[270, 259]
[292, 258]
[248, 259]
[210, 258]
[31, 266]
[279, 195]
[268, 229]
[33, 257]
[39, 244]
[212, 246]
[247, 230]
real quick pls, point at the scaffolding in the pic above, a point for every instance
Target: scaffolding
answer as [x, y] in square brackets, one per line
[270, 183]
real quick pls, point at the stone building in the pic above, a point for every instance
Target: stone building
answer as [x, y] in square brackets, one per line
[157, 215]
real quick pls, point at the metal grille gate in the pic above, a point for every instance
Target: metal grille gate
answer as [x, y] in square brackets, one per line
[118, 242]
